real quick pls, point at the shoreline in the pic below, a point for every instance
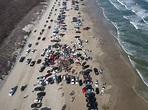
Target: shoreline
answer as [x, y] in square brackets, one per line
[123, 58]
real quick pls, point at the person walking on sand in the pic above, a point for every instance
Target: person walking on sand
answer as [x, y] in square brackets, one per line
[26, 96]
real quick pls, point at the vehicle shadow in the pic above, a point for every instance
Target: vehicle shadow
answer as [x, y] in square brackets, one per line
[45, 108]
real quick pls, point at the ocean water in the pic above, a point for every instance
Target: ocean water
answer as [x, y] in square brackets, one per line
[130, 19]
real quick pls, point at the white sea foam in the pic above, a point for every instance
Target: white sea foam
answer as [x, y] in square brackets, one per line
[134, 24]
[122, 4]
[133, 63]
[135, 8]
[114, 4]
[104, 14]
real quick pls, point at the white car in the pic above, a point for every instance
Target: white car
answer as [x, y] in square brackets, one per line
[72, 81]
[90, 90]
[89, 83]
[96, 83]
[12, 90]
[77, 80]
[37, 101]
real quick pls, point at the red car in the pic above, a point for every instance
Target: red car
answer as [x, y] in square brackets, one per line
[63, 23]
[86, 28]
[47, 75]
[54, 41]
[43, 38]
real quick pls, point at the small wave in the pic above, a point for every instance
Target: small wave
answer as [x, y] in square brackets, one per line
[104, 13]
[133, 63]
[135, 25]
[122, 4]
[114, 5]
[135, 8]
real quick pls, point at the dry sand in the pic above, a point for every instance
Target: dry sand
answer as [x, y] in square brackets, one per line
[23, 74]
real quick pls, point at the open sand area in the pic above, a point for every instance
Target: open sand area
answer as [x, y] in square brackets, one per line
[99, 50]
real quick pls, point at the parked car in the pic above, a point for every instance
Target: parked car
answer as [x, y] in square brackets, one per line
[80, 83]
[37, 101]
[84, 67]
[92, 104]
[42, 68]
[84, 63]
[39, 61]
[97, 90]
[28, 51]
[86, 28]
[39, 38]
[13, 90]
[92, 108]
[96, 71]
[39, 88]
[91, 95]
[22, 59]
[41, 94]
[32, 63]
[36, 105]
[29, 45]
[49, 27]
[23, 87]
[96, 83]
[43, 38]
[90, 99]
[28, 61]
[68, 80]
[49, 80]
[90, 90]
[36, 43]
[88, 82]
[73, 80]
[76, 80]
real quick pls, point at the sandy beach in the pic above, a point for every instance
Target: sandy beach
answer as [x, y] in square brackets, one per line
[99, 50]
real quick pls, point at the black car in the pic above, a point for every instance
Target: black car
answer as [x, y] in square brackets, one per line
[88, 87]
[59, 79]
[90, 99]
[36, 43]
[97, 90]
[92, 104]
[40, 88]
[41, 94]
[36, 105]
[38, 61]
[22, 59]
[49, 27]
[84, 67]
[90, 95]
[92, 108]
[80, 82]
[96, 71]
[51, 20]
[39, 38]
[68, 80]
[84, 63]
[42, 68]
[29, 45]
[78, 31]
[32, 63]
[23, 87]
